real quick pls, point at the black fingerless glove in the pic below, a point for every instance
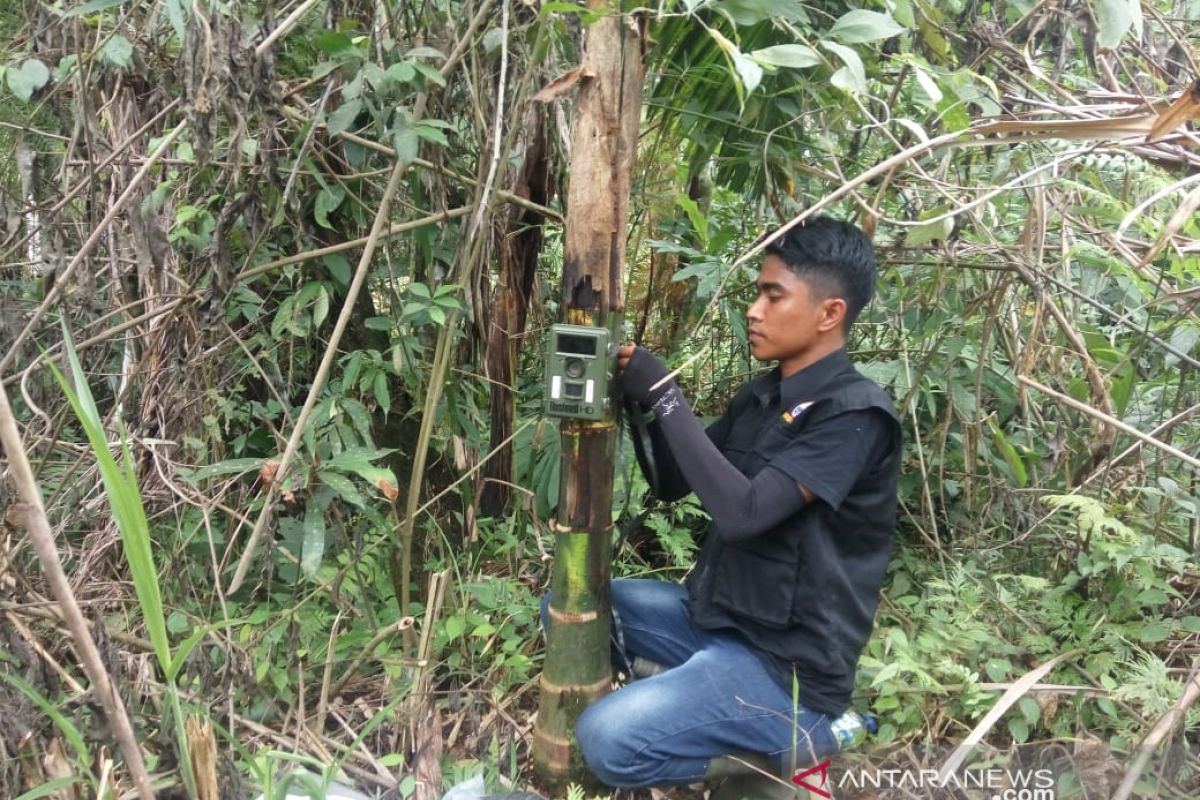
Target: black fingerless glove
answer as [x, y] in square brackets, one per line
[643, 372]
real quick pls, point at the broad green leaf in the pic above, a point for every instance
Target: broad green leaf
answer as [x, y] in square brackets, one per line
[343, 487]
[927, 84]
[177, 12]
[118, 50]
[382, 394]
[860, 25]
[405, 141]
[333, 42]
[402, 71]
[748, 70]
[936, 231]
[699, 221]
[431, 73]
[313, 549]
[328, 200]
[852, 77]
[235, 466]
[27, 78]
[430, 133]
[320, 307]
[91, 7]
[1011, 457]
[425, 52]
[1115, 18]
[339, 268]
[343, 118]
[796, 56]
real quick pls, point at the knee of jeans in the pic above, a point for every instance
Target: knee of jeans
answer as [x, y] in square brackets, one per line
[611, 754]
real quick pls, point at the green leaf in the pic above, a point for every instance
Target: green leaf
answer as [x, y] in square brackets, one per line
[852, 77]
[1011, 457]
[177, 12]
[328, 200]
[432, 74]
[341, 119]
[333, 42]
[425, 52]
[178, 622]
[454, 627]
[50, 787]
[936, 231]
[320, 307]
[402, 71]
[64, 725]
[796, 56]
[405, 141]
[1115, 18]
[1019, 729]
[382, 395]
[697, 217]
[358, 461]
[124, 500]
[91, 7]
[313, 549]
[235, 466]
[27, 78]
[339, 268]
[1152, 631]
[343, 487]
[118, 50]
[430, 133]
[860, 25]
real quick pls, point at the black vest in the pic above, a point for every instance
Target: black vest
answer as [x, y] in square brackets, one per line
[804, 593]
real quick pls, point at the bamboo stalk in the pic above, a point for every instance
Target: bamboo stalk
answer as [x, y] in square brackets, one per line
[32, 516]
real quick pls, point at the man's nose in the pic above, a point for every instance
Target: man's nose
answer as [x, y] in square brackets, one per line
[754, 312]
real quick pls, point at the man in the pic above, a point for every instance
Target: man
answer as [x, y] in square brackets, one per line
[756, 652]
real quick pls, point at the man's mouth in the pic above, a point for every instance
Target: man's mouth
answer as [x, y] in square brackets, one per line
[754, 336]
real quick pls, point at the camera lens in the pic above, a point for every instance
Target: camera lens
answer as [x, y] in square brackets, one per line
[574, 368]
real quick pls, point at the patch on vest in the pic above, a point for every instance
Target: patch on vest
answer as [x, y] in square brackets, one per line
[790, 416]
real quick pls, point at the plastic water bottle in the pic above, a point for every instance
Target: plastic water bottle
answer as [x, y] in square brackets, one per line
[851, 729]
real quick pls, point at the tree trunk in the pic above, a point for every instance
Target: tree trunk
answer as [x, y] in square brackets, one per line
[519, 250]
[604, 131]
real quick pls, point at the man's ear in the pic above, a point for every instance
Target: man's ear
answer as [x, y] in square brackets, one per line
[833, 313]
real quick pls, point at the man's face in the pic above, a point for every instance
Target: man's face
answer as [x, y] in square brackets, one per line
[790, 321]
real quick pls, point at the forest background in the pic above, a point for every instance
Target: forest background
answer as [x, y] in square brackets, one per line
[193, 194]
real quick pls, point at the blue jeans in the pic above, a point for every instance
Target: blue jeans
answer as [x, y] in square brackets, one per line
[716, 699]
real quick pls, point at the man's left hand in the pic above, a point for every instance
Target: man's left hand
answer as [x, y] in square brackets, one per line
[640, 371]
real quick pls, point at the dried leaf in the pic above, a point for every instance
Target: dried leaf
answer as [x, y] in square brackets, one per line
[1108, 128]
[1185, 109]
[267, 473]
[562, 84]
[388, 489]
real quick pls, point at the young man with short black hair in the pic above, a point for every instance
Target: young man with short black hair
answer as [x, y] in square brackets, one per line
[756, 652]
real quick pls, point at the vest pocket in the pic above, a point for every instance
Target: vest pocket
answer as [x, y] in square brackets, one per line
[756, 584]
